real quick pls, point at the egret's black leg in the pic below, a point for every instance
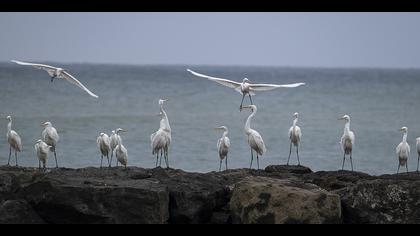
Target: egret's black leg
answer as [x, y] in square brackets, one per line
[418, 159]
[112, 154]
[406, 166]
[258, 162]
[16, 158]
[297, 153]
[240, 107]
[290, 152]
[157, 158]
[220, 166]
[351, 161]
[10, 154]
[344, 158]
[398, 170]
[102, 157]
[39, 164]
[226, 162]
[252, 158]
[250, 98]
[55, 156]
[161, 153]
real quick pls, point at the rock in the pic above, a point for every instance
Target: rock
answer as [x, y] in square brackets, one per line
[288, 169]
[18, 212]
[279, 201]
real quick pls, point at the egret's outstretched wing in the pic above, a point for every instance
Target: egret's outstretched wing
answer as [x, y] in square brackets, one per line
[76, 82]
[267, 87]
[225, 82]
[49, 69]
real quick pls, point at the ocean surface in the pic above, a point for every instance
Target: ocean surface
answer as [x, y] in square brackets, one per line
[379, 102]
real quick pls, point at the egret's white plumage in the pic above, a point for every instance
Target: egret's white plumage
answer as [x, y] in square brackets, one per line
[294, 135]
[104, 146]
[56, 72]
[255, 140]
[246, 87]
[113, 143]
[51, 137]
[223, 145]
[418, 152]
[120, 151]
[347, 140]
[14, 140]
[42, 149]
[403, 150]
[161, 139]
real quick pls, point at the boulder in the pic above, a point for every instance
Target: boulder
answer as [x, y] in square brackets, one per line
[18, 212]
[280, 201]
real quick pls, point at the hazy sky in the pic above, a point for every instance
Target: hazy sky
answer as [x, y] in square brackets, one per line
[283, 39]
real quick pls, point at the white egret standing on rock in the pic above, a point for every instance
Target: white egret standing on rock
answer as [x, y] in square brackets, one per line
[51, 137]
[104, 146]
[161, 139]
[246, 87]
[403, 150]
[255, 140]
[294, 136]
[14, 140]
[113, 143]
[120, 150]
[347, 140]
[223, 145]
[42, 150]
[56, 72]
[418, 152]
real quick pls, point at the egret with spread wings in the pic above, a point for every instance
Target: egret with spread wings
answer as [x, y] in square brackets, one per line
[56, 72]
[246, 87]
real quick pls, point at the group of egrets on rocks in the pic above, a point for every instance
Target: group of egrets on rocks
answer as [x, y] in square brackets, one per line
[161, 139]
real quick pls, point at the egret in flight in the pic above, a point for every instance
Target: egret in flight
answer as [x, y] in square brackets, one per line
[113, 143]
[255, 140]
[42, 149]
[294, 136]
[246, 87]
[347, 140]
[403, 150]
[14, 140]
[120, 150]
[418, 152]
[223, 145]
[104, 146]
[50, 137]
[161, 139]
[56, 72]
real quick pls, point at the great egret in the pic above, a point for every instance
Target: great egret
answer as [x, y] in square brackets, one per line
[120, 150]
[418, 152]
[223, 145]
[14, 140]
[246, 87]
[161, 139]
[42, 150]
[56, 72]
[104, 146]
[255, 140]
[403, 150]
[50, 137]
[294, 136]
[113, 143]
[347, 140]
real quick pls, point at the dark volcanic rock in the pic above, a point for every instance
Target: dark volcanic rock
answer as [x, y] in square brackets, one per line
[18, 212]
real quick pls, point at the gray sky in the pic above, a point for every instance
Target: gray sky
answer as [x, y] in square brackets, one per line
[283, 39]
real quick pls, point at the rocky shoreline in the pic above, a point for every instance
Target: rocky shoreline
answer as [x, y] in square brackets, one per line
[278, 194]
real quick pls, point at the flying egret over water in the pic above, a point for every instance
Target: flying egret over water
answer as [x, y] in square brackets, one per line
[255, 140]
[347, 140]
[50, 137]
[104, 146]
[418, 152]
[120, 150]
[161, 139]
[223, 145]
[42, 149]
[245, 87]
[403, 150]
[294, 136]
[56, 72]
[14, 140]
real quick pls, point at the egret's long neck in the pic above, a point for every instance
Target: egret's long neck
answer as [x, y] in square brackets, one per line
[347, 127]
[165, 120]
[295, 122]
[9, 126]
[248, 122]
[405, 137]
[225, 133]
[119, 142]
